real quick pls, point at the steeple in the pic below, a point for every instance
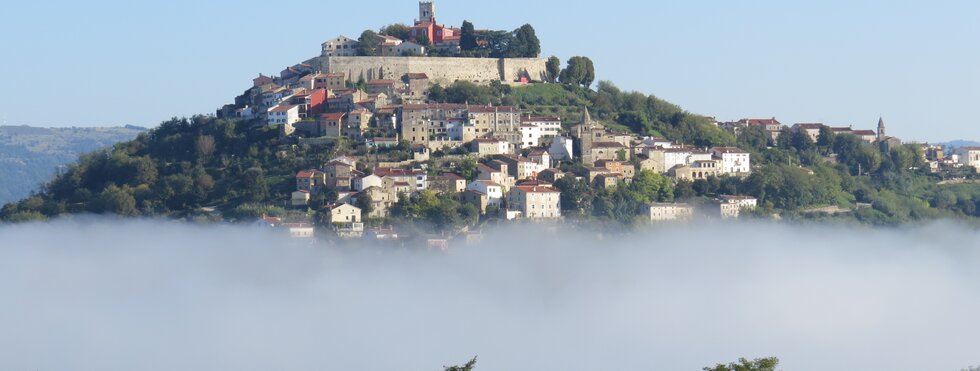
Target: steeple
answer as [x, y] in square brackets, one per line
[881, 128]
[427, 11]
[586, 117]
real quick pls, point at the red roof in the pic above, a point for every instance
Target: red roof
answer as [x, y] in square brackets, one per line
[385, 171]
[281, 108]
[536, 189]
[727, 150]
[540, 119]
[491, 109]
[333, 116]
[771, 121]
[414, 107]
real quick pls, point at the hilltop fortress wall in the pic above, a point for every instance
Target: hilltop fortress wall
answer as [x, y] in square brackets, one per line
[440, 70]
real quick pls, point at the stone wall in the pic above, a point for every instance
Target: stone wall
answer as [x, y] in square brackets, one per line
[440, 70]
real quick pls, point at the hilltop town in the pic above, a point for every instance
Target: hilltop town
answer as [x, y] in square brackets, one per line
[454, 128]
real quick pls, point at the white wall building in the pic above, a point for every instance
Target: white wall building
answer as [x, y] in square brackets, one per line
[537, 130]
[660, 212]
[283, 115]
[561, 149]
[341, 46]
[969, 156]
[731, 206]
[733, 160]
[535, 202]
[493, 190]
[362, 183]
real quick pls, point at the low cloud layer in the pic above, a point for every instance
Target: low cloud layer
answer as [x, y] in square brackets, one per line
[111, 295]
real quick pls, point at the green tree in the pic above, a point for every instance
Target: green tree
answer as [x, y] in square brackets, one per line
[576, 195]
[802, 141]
[785, 138]
[398, 30]
[826, 137]
[368, 43]
[424, 41]
[754, 137]
[116, 200]
[256, 187]
[525, 43]
[553, 66]
[468, 169]
[469, 366]
[761, 364]
[578, 71]
[467, 37]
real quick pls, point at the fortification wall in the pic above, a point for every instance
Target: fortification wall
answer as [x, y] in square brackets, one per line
[440, 70]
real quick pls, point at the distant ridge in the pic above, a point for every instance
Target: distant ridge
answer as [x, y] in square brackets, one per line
[961, 143]
[31, 155]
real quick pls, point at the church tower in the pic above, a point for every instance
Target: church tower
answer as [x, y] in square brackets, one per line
[881, 128]
[427, 11]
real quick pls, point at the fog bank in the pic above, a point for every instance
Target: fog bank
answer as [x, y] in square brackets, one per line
[141, 295]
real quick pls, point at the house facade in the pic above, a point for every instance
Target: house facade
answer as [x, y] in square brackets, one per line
[661, 212]
[535, 202]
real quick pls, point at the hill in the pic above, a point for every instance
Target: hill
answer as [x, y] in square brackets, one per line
[30, 156]
[206, 168]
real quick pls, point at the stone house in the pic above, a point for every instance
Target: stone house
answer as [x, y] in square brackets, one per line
[312, 181]
[331, 124]
[535, 202]
[341, 46]
[344, 213]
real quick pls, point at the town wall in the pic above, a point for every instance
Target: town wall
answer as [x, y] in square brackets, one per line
[440, 70]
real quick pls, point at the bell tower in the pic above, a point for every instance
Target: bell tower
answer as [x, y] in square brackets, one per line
[881, 128]
[427, 11]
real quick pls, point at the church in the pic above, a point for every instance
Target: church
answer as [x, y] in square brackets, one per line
[437, 34]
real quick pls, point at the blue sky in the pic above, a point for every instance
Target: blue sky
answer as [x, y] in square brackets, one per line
[916, 63]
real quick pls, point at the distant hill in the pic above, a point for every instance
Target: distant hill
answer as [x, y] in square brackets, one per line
[962, 143]
[30, 156]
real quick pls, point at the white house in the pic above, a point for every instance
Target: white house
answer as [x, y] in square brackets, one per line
[674, 157]
[731, 206]
[536, 130]
[969, 156]
[660, 212]
[542, 158]
[283, 115]
[403, 48]
[535, 202]
[274, 97]
[561, 149]
[300, 198]
[341, 46]
[490, 146]
[362, 183]
[493, 190]
[733, 160]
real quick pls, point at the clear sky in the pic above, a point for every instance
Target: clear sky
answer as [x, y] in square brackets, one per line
[916, 63]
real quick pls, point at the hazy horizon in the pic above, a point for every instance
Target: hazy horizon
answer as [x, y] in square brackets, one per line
[841, 63]
[100, 294]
